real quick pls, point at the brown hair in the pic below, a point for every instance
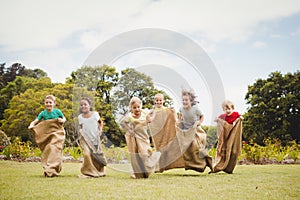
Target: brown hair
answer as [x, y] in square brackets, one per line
[191, 94]
[89, 102]
[51, 97]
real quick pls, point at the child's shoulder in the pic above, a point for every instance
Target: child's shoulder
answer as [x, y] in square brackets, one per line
[56, 110]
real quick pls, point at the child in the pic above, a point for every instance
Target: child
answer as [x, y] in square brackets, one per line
[229, 131]
[90, 129]
[159, 101]
[143, 160]
[189, 113]
[50, 136]
[49, 113]
[193, 137]
[230, 115]
[163, 132]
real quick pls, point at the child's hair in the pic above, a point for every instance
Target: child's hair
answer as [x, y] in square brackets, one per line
[191, 94]
[159, 95]
[89, 102]
[50, 96]
[227, 104]
[135, 100]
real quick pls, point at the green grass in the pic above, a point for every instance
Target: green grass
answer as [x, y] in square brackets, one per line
[20, 180]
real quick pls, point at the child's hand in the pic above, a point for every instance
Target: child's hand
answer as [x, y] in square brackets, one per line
[149, 120]
[30, 126]
[61, 120]
[199, 123]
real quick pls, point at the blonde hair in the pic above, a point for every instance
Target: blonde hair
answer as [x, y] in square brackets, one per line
[191, 94]
[159, 95]
[227, 104]
[135, 100]
[50, 96]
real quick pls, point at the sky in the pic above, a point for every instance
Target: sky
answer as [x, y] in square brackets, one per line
[242, 41]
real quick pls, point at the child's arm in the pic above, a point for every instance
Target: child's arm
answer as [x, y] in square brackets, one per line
[100, 126]
[150, 116]
[201, 119]
[179, 118]
[33, 123]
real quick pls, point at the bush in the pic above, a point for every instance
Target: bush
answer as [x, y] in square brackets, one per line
[18, 149]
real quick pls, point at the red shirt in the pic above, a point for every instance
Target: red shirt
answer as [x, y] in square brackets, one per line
[230, 118]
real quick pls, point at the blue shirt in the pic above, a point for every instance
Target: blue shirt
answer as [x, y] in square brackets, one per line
[54, 114]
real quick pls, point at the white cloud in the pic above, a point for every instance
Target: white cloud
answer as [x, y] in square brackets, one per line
[259, 44]
[46, 24]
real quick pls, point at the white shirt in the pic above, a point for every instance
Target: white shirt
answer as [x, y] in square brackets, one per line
[90, 126]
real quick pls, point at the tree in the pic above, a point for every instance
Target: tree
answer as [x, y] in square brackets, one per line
[25, 107]
[17, 69]
[134, 83]
[101, 80]
[274, 108]
[19, 85]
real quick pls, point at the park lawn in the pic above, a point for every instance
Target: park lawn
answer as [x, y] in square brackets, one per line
[23, 180]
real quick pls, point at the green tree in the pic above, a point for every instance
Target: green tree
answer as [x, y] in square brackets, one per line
[134, 83]
[17, 69]
[211, 136]
[273, 108]
[25, 107]
[101, 80]
[19, 85]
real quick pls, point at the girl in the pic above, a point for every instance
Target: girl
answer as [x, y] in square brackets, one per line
[192, 136]
[189, 113]
[90, 125]
[143, 160]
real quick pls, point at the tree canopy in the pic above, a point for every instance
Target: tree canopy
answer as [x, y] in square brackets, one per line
[273, 111]
[274, 108]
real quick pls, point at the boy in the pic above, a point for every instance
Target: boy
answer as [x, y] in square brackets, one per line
[50, 136]
[230, 115]
[229, 131]
[49, 113]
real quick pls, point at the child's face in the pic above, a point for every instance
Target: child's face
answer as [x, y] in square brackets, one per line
[228, 110]
[136, 109]
[85, 106]
[186, 102]
[49, 103]
[159, 101]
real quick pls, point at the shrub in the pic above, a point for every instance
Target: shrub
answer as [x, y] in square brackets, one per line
[18, 149]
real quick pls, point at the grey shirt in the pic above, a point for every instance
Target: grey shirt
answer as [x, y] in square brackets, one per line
[189, 117]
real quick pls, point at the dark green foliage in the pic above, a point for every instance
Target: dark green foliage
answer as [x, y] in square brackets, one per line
[211, 136]
[16, 79]
[274, 106]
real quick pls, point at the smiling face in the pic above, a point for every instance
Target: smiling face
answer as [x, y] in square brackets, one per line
[228, 110]
[186, 102]
[136, 109]
[159, 101]
[85, 107]
[49, 103]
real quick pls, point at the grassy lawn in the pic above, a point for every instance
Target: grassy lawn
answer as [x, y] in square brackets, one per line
[20, 180]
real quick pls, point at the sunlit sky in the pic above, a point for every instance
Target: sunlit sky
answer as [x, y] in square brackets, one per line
[245, 40]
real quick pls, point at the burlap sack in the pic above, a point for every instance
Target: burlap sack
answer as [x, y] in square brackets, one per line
[179, 148]
[50, 138]
[229, 145]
